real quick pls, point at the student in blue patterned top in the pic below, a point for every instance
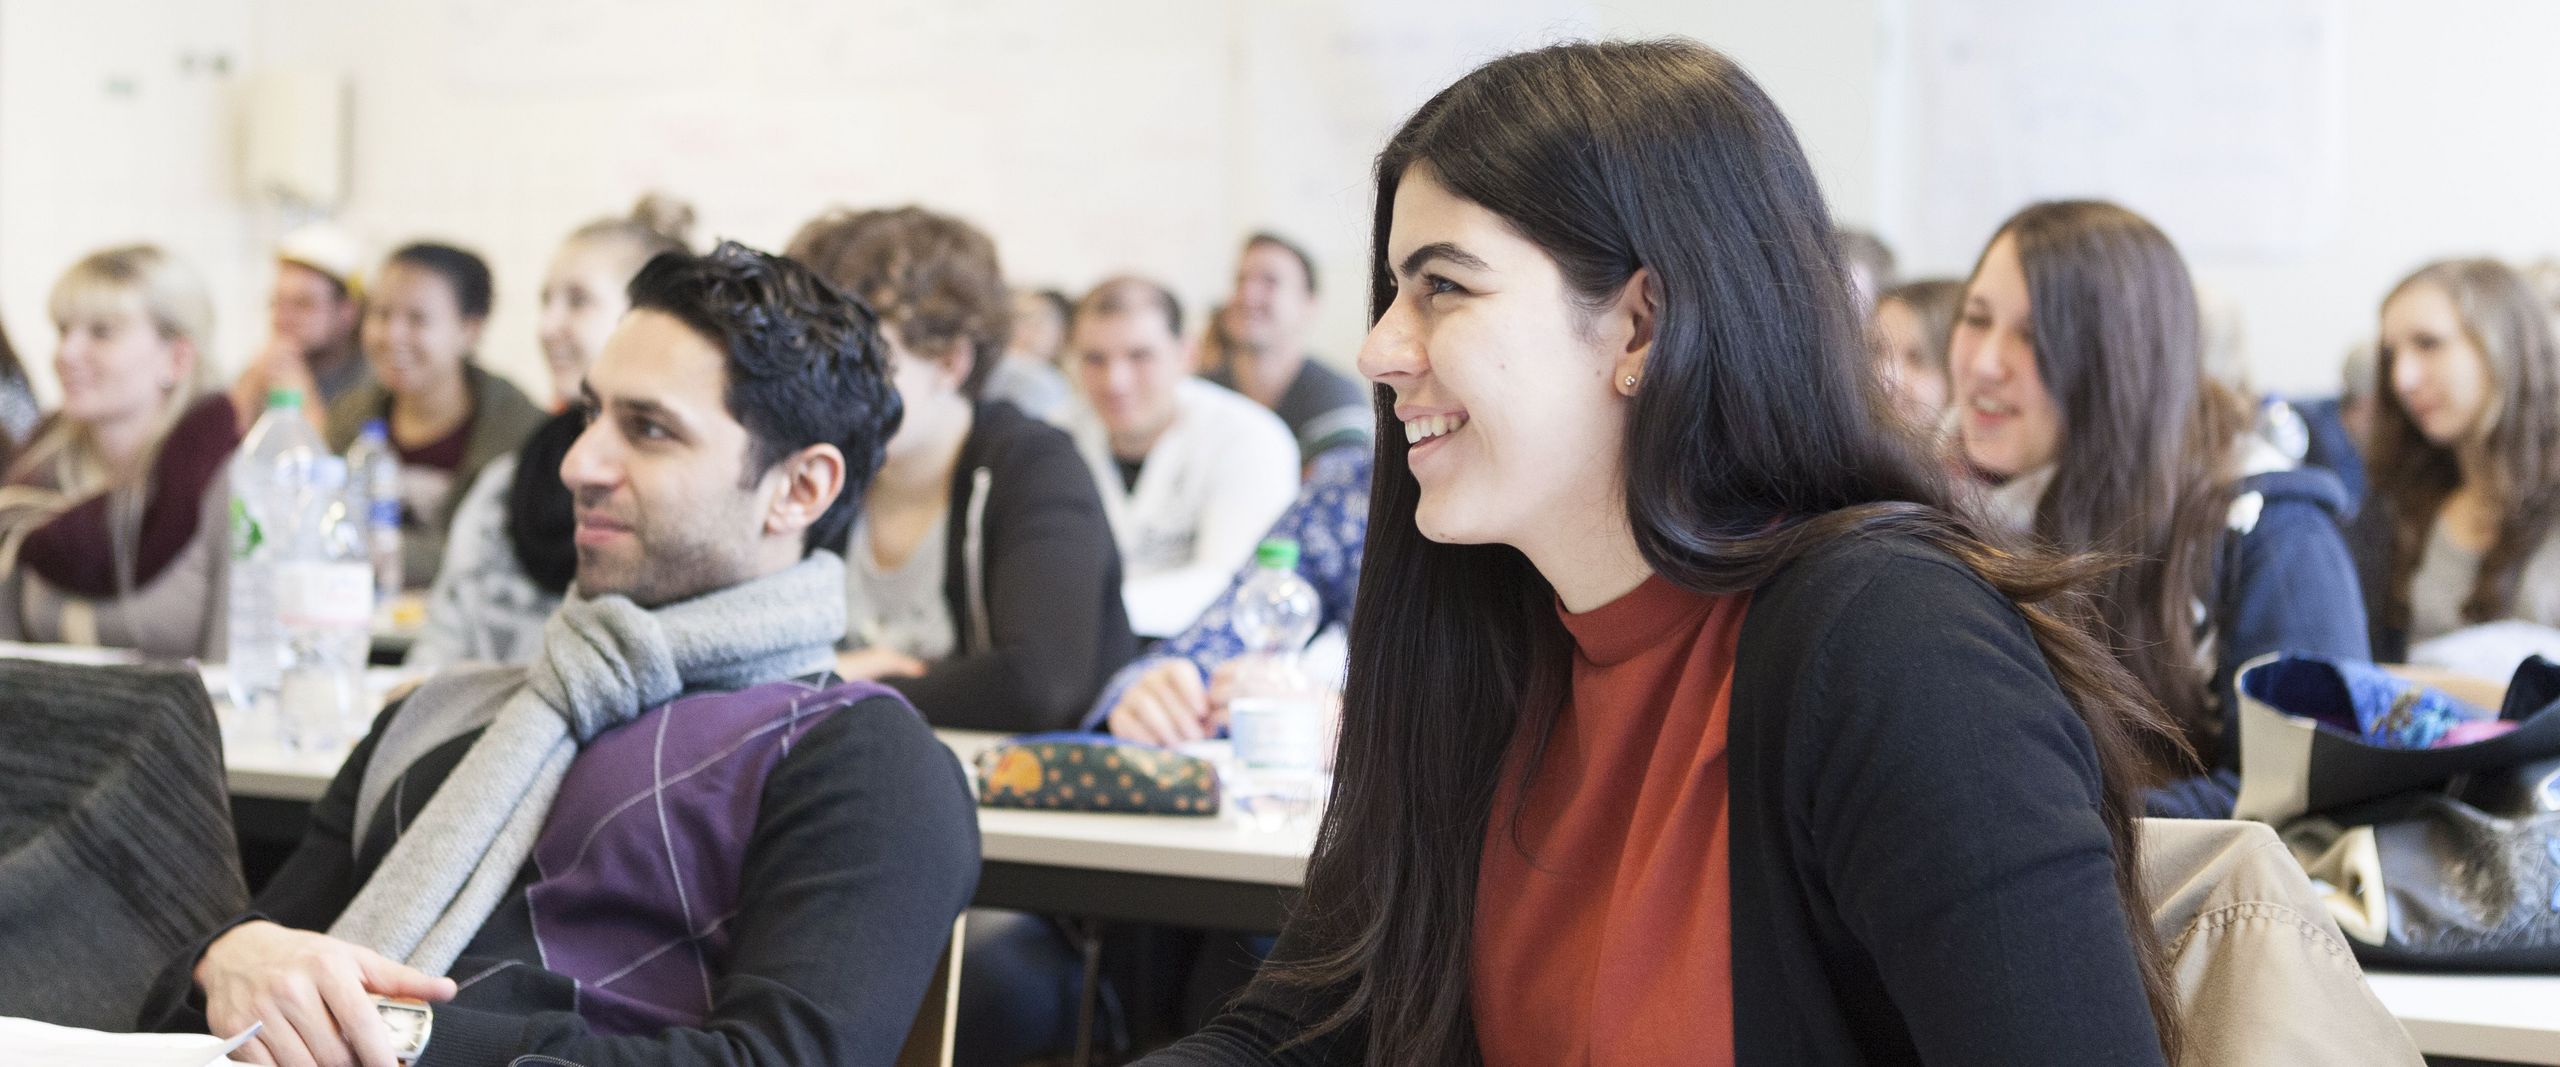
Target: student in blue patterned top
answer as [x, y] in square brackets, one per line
[1173, 693]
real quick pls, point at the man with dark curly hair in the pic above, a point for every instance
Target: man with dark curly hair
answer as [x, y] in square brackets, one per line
[675, 837]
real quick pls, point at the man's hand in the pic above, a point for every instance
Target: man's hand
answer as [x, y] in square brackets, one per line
[875, 663]
[280, 365]
[1167, 705]
[312, 993]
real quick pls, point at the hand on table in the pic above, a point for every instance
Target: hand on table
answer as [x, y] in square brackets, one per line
[875, 663]
[311, 993]
[1168, 705]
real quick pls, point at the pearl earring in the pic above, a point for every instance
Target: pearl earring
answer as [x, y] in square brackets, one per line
[1631, 381]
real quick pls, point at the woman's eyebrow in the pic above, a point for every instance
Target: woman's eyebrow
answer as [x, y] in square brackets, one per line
[1414, 260]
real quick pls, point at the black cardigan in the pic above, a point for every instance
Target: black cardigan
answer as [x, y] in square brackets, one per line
[1036, 605]
[1919, 870]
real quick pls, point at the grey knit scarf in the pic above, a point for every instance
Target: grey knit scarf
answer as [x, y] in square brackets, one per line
[603, 662]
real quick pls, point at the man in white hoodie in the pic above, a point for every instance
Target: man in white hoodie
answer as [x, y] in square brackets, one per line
[1191, 474]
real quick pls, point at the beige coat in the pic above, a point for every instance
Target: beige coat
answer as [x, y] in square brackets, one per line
[2262, 973]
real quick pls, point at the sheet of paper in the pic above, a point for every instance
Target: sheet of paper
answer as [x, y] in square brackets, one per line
[28, 1043]
[2490, 650]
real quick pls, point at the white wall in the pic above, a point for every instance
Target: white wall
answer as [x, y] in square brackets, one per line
[1107, 135]
[1141, 135]
[2449, 150]
[114, 137]
[2443, 148]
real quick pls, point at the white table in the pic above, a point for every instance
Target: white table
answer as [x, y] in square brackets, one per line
[2506, 1018]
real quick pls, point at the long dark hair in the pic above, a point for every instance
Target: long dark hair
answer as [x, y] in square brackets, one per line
[2519, 448]
[2148, 461]
[1762, 433]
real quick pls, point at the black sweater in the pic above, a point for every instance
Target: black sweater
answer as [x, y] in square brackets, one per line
[1033, 585]
[1919, 870]
[865, 848]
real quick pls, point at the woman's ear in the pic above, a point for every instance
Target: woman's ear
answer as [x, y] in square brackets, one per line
[182, 363]
[1639, 307]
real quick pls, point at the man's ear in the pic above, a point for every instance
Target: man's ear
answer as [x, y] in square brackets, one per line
[956, 366]
[811, 480]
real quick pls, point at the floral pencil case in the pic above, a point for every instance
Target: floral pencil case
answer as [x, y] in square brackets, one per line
[1085, 772]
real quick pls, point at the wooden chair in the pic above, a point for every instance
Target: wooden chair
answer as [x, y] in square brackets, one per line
[929, 1041]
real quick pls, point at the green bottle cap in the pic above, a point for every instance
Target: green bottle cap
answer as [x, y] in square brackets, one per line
[287, 398]
[1279, 554]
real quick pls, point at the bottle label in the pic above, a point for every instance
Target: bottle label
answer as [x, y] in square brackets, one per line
[1277, 733]
[324, 595]
[384, 511]
[246, 535]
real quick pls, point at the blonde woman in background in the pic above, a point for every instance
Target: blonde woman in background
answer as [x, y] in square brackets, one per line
[111, 518]
[508, 559]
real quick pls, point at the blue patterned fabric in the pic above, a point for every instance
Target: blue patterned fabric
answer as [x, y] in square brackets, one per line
[2359, 698]
[1330, 523]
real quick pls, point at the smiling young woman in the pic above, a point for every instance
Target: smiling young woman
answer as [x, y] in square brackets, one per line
[2078, 363]
[1676, 664]
[112, 518]
[448, 419]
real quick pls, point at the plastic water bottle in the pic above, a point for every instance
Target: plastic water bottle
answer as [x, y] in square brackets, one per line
[270, 475]
[373, 476]
[301, 589]
[324, 609]
[1276, 713]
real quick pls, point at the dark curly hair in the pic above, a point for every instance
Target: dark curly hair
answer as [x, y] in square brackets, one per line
[805, 362]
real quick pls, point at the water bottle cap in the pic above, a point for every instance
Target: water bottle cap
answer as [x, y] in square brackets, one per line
[284, 397]
[375, 430]
[1278, 554]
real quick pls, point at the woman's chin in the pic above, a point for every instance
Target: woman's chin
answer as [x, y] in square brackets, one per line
[1447, 525]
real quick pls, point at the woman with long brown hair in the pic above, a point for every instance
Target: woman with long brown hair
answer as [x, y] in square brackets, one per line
[1690, 718]
[2465, 456]
[2079, 370]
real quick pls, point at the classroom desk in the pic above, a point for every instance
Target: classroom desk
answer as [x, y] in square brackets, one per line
[2501, 1018]
[1211, 872]
[1214, 873]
